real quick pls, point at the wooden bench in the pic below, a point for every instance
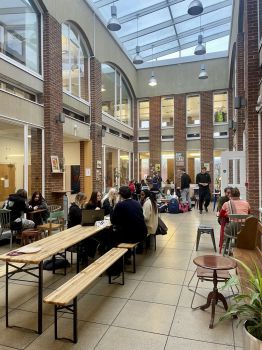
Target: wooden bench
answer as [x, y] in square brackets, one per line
[132, 248]
[69, 291]
[248, 250]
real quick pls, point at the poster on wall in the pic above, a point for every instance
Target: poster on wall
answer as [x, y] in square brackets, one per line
[157, 167]
[207, 166]
[180, 159]
[75, 179]
[99, 164]
[55, 164]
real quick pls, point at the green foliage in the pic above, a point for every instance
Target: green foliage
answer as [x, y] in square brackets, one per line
[247, 307]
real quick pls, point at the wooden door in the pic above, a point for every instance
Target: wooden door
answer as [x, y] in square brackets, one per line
[7, 180]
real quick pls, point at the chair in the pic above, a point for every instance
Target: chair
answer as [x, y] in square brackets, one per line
[53, 207]
[55, 222]
[5, 222]
[203, 229]
[207, 275]
[30, 236]
[236, 221]
[247, 236]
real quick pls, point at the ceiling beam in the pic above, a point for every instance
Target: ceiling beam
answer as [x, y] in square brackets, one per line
[181, 35]
[102, 3]
[185, 46]
[15, 10]
[147, 10]
[177, 20]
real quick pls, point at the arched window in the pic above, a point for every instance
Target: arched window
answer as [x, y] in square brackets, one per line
[75, 62]
[116, 95]
[20, 23]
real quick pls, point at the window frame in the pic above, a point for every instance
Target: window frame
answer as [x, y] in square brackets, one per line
[193, 125]
[213, 112]
[138, 114]
[170, 126]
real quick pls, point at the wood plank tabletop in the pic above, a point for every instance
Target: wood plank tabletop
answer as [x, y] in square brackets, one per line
[53, 244]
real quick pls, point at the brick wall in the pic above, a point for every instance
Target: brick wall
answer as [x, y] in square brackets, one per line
[53, 105]
[82, 165]
[206, 130]
[96, 121]
[155, 132]
[36, 160]
[252, 76]
[240, 90]
[179, 132]
[230, 116]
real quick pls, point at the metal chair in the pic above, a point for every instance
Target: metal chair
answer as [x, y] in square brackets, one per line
[236, 221]
[5, 224]
[53, 207]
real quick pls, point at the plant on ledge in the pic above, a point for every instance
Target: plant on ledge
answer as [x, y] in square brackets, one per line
[248, 307]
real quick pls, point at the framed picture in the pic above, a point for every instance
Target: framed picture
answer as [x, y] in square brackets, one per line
[55, 164]
[98, 164]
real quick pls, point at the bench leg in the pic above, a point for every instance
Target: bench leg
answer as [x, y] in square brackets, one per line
[75, 335]
[56, 322]
[198, 239]
[134, 259]
[70, 309]
[123, 270]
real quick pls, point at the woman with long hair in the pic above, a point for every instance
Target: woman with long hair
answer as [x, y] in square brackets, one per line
[94, 201]
[75, 210]
[150, 212]
[38, 202]
[109, 201]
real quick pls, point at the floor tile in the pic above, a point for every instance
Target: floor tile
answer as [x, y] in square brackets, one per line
[120, 338]
[89, 335]
[149, 317]
[139, 275]
[99, 309]
[162, 275]
[114, 290]
[174, 262]
[187, 344]
[238, 334]
[162, 293]
[18, 294]
[197, 327]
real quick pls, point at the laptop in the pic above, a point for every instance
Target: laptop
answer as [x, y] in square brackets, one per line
[89, 217]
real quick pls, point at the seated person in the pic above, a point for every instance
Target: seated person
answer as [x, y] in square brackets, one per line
[75, 210]
[17, 203]
[224, 199]
[38, 202]
[235, 205]
[128, 219]
[142, 197]
[109, 201]
[94, 201]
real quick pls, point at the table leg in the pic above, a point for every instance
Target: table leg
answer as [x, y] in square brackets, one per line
[40, 298]
[6, 295]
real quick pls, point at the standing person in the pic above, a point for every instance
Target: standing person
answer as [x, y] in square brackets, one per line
[185, 185]
[132, 187]
[17, 203]
[143, 197]
[94, 201]
[38, 202]
[203, 180]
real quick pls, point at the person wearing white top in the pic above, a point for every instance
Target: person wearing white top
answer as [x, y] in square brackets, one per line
[150, 212]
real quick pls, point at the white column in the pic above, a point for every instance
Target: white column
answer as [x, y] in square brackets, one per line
[118, 167]
[26, 157]
[104, 168]
[43, 162]
[129, 167]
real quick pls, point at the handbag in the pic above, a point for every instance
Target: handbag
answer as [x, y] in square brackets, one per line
[161, 228]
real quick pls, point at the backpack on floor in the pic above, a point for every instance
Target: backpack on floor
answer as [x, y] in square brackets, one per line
[183, 207]
[173, 206]
[162, 208]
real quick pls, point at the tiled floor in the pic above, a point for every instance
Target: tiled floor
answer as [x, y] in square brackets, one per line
[150, 312]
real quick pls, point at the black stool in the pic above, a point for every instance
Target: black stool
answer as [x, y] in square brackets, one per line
[208, 230]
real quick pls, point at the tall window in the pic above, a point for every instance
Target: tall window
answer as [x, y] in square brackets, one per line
[193, 110]
[220, 107]
[20, 32]
[116, 96]
[75, 62]
[143, 112]
[167, 111]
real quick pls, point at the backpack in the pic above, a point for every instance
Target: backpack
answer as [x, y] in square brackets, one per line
[58, 264]
[183, 207]
[173, 206]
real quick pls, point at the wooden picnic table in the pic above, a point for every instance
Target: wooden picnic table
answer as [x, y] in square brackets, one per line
[49, 246]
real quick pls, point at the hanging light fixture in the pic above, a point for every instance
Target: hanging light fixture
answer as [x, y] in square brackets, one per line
[200, 48]
[152, 81]
[203, 73]
[137, 59]
[113, 23]
[195, 8]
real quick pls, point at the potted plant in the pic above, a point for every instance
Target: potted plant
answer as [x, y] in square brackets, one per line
[248, 307]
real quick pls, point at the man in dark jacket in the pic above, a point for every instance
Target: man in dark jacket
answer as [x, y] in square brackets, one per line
[17, 203]
[185, 185]
[203, 180]
[128, 218]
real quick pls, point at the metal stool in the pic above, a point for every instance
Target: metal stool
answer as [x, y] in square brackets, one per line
[208, 230]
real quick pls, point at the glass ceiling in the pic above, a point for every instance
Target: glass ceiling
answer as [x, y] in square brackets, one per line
[164, 29]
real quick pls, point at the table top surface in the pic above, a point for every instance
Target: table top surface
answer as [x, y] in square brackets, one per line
[53, 244]
[215, 262]
[36, 211]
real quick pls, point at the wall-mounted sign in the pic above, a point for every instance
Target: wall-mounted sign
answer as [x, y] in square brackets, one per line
[180, 159]
[207, 165]
[157, 167]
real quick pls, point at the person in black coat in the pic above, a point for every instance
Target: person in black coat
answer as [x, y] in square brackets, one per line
[203, 180]
[94, 201]
[75, 210]
[38, 202]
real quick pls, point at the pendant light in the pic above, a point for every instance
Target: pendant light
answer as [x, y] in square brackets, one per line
[113, 23]
[137, 59]
[152, 81]
[203, 73]
[195, 8]
[200, 48]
